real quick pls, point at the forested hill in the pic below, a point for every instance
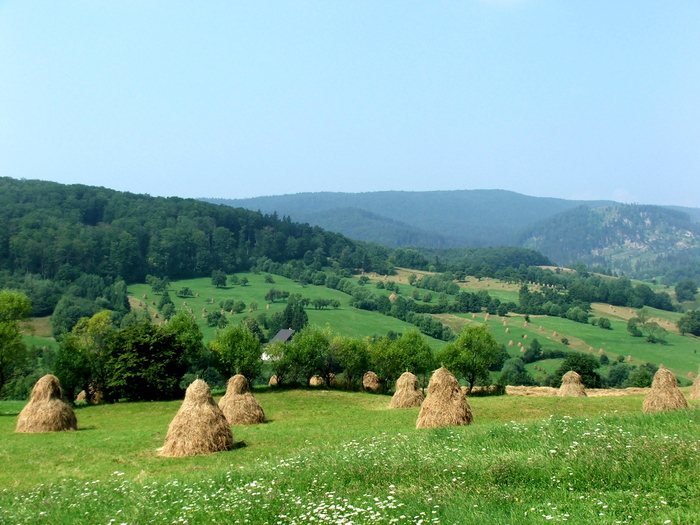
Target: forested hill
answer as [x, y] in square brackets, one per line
[438, 218]
[60, 231]
[643, 241]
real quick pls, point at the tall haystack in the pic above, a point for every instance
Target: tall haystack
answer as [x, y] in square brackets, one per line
[274, 380]
[695, 391]
[239, 405]
[571, 385]
[371, 383]
[407, 394]
[199, 427]
[445, 404]
[46, 411]
[664, 394]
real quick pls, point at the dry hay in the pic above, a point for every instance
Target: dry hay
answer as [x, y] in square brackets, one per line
[525, 324]
[540, 329]
[316, 381]
[274, 380]
[199, 427]
[511, 343]
[601, 352]
[555, 334]
[371, 383]
[392, 297]
[629, 358]
[591, 349]
[534, 391]
[473, 316]
[239, 405]
[695, 391]
[664, 394]
[522, 349]
[47, 410]
[571, 385]
[82, 397]
[407, 394]
[525, 336]
[445, 405]
[507, 330]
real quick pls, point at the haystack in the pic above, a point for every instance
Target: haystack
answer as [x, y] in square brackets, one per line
[199, 427]
[695, 391]
[316, 381]
[371, 383]
[571, 385]
[46, 411]
[664, 394]
[239, 405]
[274, 380]
[407, 394]
[445, 404]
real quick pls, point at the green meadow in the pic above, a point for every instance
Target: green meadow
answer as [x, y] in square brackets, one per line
[336, 457]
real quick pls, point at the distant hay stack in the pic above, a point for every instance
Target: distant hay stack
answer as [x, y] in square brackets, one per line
[46, 411]
[664, 394]
[445, 404]
[507, 330]
[540, 329]
[572, 386]
[392, 297]
[316, 381]
[239, 405]
[371, 383]
[199, 427]
[407, 394]
[274, 380]
[695, 391]
[511, 343]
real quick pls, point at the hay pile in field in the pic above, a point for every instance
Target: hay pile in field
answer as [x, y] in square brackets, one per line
[239, 405]
[371, 383]
[274, 380]
[445, 404]
[664, 394]
[534, 391]
[199, 427]
[407, 394]
[571, 385]
[46, 411]
[695, 391]
[316, 381]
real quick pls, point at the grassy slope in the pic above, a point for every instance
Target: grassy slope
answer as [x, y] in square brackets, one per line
[330, 454]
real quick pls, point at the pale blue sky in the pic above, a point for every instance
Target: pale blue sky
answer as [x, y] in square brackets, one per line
[584, 100]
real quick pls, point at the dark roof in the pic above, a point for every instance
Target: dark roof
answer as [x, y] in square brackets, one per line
[283, 335]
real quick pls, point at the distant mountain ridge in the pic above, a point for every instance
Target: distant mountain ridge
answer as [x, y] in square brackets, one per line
[451, 218]
[635, 239]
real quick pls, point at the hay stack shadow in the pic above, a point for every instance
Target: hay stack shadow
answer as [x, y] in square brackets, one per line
[664, 394]
[407, 394]
[199, 427]
[47, 410]
[239, 405]
[445, 404]
[572, 386]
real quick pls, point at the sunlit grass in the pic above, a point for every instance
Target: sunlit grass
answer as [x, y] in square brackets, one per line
[345, 458]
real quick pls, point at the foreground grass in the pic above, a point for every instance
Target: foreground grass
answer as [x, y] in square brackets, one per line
[335, 457]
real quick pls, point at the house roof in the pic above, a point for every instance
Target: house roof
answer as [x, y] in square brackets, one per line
[283, 335]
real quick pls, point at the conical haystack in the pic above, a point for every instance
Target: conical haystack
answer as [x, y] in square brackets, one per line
[239, 405]
[371, 383]
[571, 385]
[199, 427]
[695, 391]
[445, 404]
[46, 411]
[407, 394]
[664, 394]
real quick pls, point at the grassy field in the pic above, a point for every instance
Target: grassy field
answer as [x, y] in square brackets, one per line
[338, 457]
[345, 320]
[680, 354]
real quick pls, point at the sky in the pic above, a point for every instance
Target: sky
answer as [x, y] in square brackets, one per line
[235, 99]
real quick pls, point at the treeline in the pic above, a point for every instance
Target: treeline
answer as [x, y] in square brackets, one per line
[59, 232]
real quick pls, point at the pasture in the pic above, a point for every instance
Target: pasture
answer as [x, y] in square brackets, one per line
[336, 457]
